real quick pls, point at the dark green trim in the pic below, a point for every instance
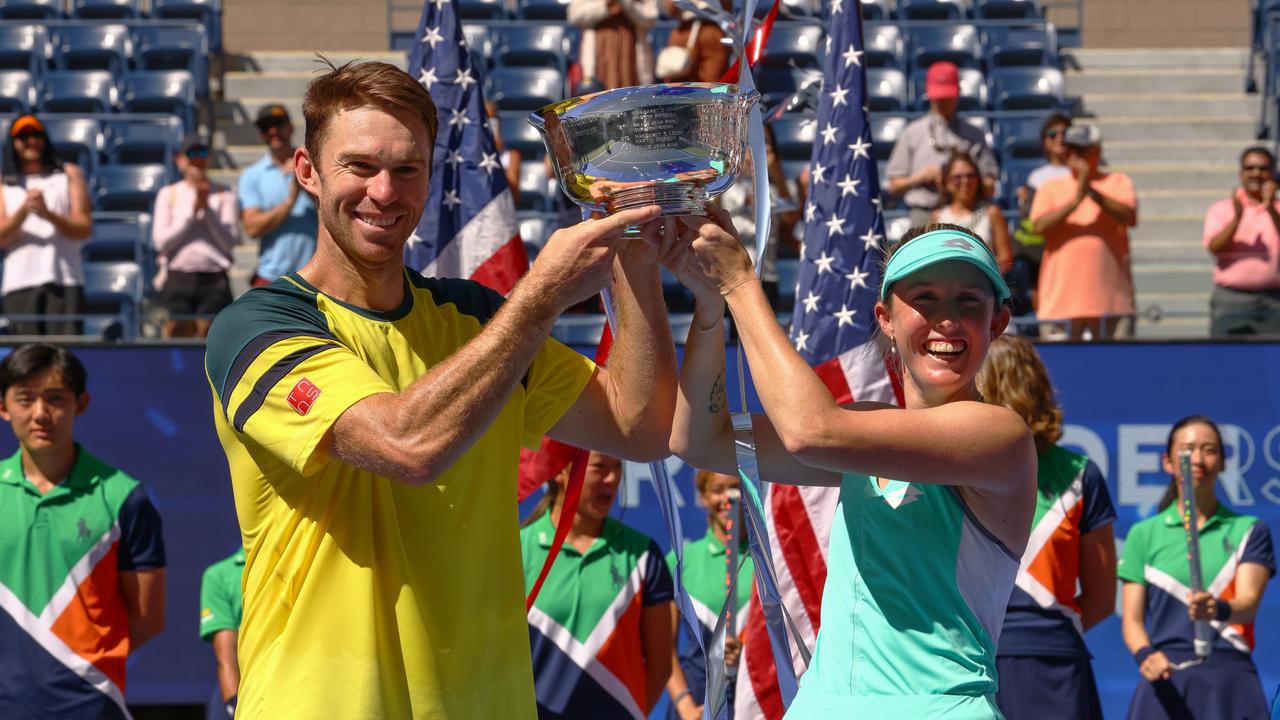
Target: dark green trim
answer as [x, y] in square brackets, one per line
[406, 304]
[268, 380]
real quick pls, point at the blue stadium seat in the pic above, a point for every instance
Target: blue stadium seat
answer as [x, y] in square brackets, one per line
[1027, 88]
[142, 139]
[164, 91]
[524, 88]
[780, 84]
[207, 12]
[980, 122]
[92, 46]
[542, 9]
[1007, 45]
[884, 133]
[78, 91]
[973, 90]
[535, 187]
[1013, 175]
[535, 228]
[1019, 136]
[883, 46]
[794, 8]
[105, 9]
[113, 290]
[959, 44]
[518, 134]
[1007, 9]
[660, 35]
[173, 47]
[118, 237]
[886, 90]
[482, 9]
[794, 43]
[77, 139]
[30, 9]
[794, 136]
[17, 92]
[25, 47]
[478, 42]
[129, 188]
[931, 9]
[877, 10]
[531, 44]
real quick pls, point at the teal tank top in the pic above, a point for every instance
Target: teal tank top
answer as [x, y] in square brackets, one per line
[912, 609]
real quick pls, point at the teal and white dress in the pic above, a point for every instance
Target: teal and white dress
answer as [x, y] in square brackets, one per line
[915, 598]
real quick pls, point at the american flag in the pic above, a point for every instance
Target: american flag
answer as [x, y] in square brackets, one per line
[469, 228]
[832, 327]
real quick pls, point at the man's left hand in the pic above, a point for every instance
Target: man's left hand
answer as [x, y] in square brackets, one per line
[1268, 193]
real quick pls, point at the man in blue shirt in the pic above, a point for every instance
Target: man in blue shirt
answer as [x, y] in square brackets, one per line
[274, 209]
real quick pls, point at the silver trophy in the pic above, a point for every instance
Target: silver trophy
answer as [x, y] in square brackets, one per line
[674, 145]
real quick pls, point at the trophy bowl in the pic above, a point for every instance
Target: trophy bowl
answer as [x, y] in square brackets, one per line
[674, 145]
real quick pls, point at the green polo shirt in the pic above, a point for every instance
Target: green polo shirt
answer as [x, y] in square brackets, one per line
[221, 600]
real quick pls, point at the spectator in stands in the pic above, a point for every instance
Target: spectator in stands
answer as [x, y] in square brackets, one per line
[923, 146]
[44, 219]
[1243, 233]
[1052, 135]
[1086, 283]
[273, 207]
[1029, 248]
[614, 50]
[511, 158]
[705, 575]
[705, 57]
[1042, 659]
[82, 547]
[195, 227]
[1237, 558]
[966, 207]
[220, 611]
[610, 588]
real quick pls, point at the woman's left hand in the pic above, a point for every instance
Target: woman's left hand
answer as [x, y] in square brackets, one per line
[718, 251]
[1202, 606]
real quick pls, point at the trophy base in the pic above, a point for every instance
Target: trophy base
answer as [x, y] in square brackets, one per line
[675, 198]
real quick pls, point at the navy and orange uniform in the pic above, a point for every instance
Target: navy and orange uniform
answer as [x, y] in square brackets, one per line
[64, 629]
[584, 626]
[1042, 657]
[1155, 554]
[366, 597]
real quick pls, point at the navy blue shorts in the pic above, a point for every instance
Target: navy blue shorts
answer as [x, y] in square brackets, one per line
[1047, 688]
[1225, 687]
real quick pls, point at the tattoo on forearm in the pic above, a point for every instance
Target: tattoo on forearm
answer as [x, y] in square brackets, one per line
[716, 403]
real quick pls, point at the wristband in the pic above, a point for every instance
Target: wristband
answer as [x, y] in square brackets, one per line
[231, 706]
[680, 696]
[1142, 654]
[1223, 610]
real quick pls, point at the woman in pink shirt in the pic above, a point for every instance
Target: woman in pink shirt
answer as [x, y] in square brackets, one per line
[195, 227]
[1243, 233]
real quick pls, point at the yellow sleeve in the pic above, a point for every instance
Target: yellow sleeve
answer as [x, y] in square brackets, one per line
[291, 394]
[555, 381]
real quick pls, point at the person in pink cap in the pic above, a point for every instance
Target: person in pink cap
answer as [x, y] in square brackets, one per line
[915, 165]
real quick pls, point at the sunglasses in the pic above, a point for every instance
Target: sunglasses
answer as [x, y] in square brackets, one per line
[197, 153]
[963, 177]
[1054, 133]
[272, 125]
[28, 135]
[1256, 168]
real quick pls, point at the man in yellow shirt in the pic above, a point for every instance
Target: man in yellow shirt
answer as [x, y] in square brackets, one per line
[372, 418]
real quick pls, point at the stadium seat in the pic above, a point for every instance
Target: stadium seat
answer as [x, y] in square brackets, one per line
[798, 44]
[518, 134]
[793, 136]
[478, 42]
[660, 35]
[795, 8]
[959, 44]
[92, 46]
[973, 90]
[77, 139]
[781, 84]
[112, 290]
[886, 90]
[170, 47]
[535, 228]
[207, 12]
[531, 44]
[105, 9]
[1013, 175]
[896, 224]
[931, 9]
[78, 91]
[1007, 9]
[25, 47]
[1019, 136]
[980, 122]
[482, 9]
[524, 88]
[877, 10]
[128, 187]
[884, 46]
[542, 9]
[30, 9]
[142, 139]
[1007, 45]
[535, 187]
[118, 237]
[884, 133]
[788, 274]
[163, 91]
[1027, 88]
[17, 91]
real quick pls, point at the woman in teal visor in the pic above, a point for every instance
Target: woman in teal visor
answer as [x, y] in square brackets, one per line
[936, 497]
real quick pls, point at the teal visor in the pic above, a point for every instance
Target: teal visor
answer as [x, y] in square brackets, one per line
[938, 246]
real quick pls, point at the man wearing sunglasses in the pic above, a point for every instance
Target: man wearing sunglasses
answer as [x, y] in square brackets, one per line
[1243, 233]
[274, 209]
[195, 228]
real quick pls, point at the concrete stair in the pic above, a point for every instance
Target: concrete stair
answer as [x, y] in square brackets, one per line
[1175, 121]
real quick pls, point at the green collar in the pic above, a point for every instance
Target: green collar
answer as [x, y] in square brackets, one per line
[1172, 515]
[83, 474]
[547, 531]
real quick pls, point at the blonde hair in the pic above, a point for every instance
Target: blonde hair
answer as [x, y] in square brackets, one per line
[1014, 376]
